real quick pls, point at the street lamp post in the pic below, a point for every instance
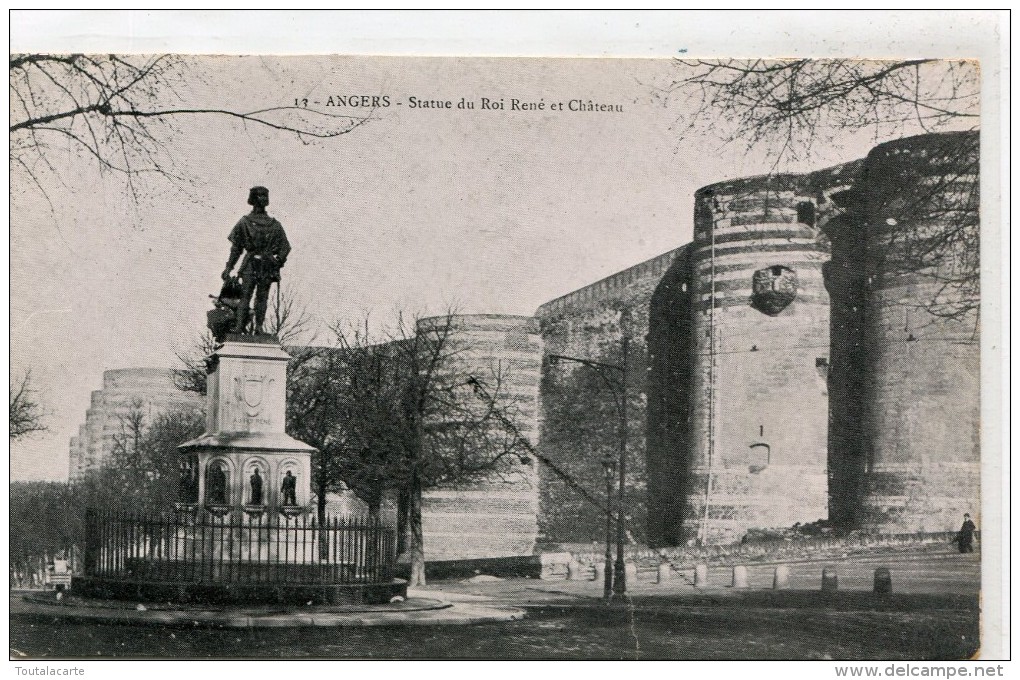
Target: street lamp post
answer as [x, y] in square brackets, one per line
[618, 581]
[609, 467]
[620, 577]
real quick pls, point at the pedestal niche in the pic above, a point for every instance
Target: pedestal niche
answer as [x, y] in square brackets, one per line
[242, 530]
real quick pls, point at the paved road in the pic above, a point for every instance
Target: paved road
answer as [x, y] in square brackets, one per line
[932, 615]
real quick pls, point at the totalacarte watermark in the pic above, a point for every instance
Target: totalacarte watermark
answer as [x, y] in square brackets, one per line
[48, 670]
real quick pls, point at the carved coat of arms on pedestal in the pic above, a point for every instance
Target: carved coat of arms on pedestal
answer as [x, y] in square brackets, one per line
[250, 390]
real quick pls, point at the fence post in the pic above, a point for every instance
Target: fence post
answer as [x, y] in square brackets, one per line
[663, 572]
[883, 580]
[89, 558]
[701, 576]
[830, 580]
[739, 576]
[781, 578]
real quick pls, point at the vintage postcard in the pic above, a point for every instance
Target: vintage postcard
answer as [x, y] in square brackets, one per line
[477, 357]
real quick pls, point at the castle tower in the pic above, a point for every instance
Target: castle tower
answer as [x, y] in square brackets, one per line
[496, 516]
[918, 215]
[146, 391]
[761, 345]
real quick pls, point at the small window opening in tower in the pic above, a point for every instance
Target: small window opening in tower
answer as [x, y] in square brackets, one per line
[806, 213]
[822, 366]
[777, 270]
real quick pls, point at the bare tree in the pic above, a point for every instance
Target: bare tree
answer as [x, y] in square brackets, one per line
[119, 112]
[450, 432]
[791, 106]
[340, 399]
[27, 415]
[399, 412]
[126, 446]
[143, 467]
[933, 228]
[192, 374]
[287, 318]
[44, 520]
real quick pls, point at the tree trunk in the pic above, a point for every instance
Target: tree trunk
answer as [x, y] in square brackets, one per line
[403, 532]
[374, 509]
[321, 502]
[417, 539]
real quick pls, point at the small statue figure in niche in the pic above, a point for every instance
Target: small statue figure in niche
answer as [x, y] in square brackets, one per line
[256, 487]
[216, 485]
[187, 485]
[264, 243]
[289, 489]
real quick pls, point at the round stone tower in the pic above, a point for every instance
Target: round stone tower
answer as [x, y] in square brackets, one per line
[496, 516]
[918, 211]
[761, 345]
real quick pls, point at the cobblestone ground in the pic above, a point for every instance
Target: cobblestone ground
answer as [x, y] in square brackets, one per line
[566, 620]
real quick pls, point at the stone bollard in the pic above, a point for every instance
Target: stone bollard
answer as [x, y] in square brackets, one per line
[701, 576]
[830, 580]
[573, 570]
[630, 571]
[663, 572]
[781, 579]
[600, 572]
[739, 576]
[883, 580]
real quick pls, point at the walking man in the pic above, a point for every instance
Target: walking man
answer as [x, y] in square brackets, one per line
[965, 538]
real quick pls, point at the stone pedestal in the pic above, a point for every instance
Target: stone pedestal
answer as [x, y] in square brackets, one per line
[246, 414]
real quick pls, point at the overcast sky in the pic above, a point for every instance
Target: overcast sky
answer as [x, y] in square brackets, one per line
[494, 211]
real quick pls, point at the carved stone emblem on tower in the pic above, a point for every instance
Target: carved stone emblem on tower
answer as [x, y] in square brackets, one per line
[774, 288]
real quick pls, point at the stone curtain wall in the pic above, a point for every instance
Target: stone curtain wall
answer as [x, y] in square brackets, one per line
[579, 425]
[671, 365]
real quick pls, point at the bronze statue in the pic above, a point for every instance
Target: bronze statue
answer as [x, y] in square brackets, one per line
[264, 243]
[216, 485]
[289, 489]
[226, 312]
[256, 487]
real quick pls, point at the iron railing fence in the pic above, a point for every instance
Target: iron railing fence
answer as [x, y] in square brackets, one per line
[237, 548]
